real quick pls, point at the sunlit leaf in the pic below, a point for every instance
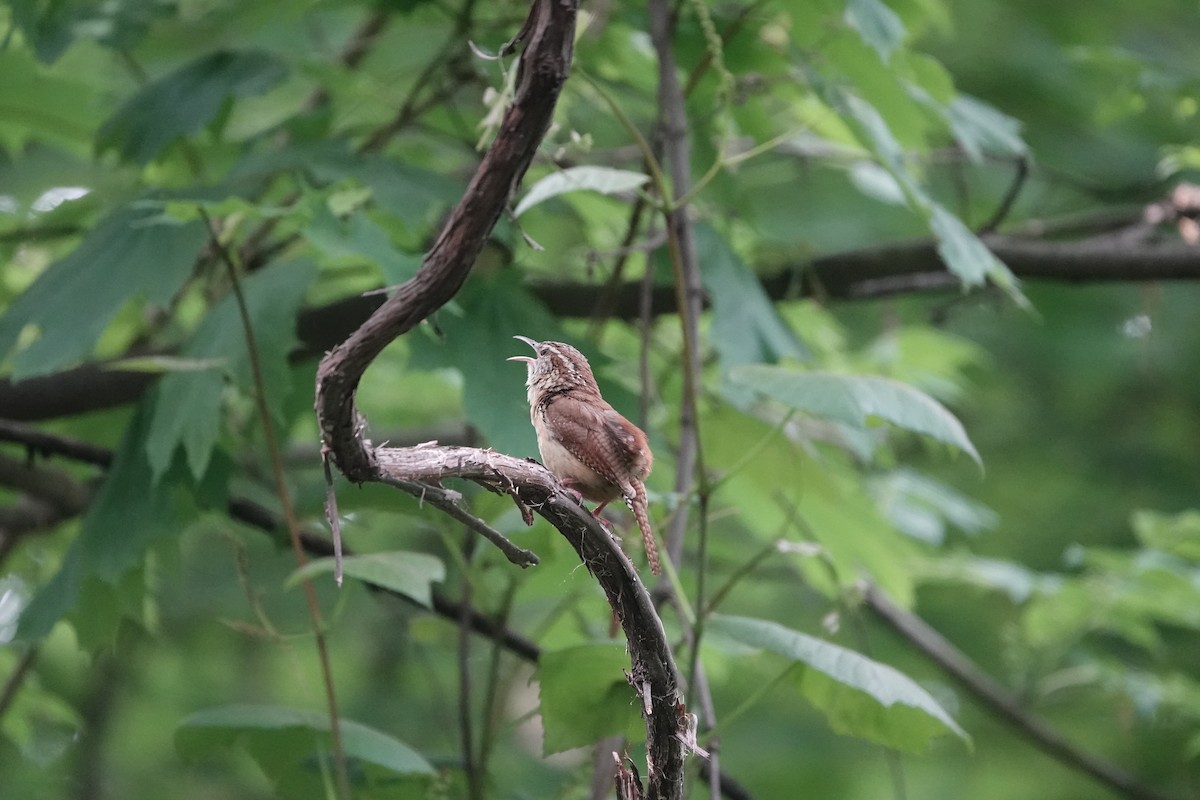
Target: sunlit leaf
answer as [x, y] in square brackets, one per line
[1018, 582]
[1178, 534]
[923, 507]
[879, 26]
[859, 697]
[410, 574]
[39, 104]
[585, 695]
[604, 180]
[854, 399]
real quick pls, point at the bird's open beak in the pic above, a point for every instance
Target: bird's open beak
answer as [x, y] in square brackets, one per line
[526, 359]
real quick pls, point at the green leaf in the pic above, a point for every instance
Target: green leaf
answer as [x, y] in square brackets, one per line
[961, 250]
[746, 327]
[51, 27]
[965, 255]
[73, 301]
[414, 194]
[858, 696]
[983, 130]
[410, 574]
[585, 696]
[477, 341]
[129, 513]
[185, 101]
[186, 407]
[40, 104]
[604, 180]
[357, 240]
[853, 399]
[922, 507]
[878, 25]
[1178, 534]
[1018, 582]
[294, 748]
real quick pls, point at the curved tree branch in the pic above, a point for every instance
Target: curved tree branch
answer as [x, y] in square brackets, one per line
[548, 38]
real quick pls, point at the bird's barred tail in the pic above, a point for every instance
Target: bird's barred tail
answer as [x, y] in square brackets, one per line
[638, 504]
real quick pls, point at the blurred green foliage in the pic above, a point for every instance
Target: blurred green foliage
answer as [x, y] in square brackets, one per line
[154, 645]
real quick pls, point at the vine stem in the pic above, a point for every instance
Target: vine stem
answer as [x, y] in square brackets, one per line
[285, 502]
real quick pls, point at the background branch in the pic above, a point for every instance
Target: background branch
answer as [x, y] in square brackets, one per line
[1001, 702]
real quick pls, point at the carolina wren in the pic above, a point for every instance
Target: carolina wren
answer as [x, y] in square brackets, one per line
[583, 440]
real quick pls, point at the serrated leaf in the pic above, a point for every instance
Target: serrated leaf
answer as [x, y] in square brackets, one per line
[984, 130]
[73, 301]
[604, 180]
[128, 514]
[854, 399]
[186, 407]
[410, 574]
[877, 183]
[964, 254]
[185, 101]
[290, 746]
[962, 251]
[878, 25]
[859, 697]
[585, 695]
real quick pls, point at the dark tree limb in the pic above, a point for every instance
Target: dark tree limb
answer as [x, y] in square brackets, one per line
[548, 38]
[901, 268]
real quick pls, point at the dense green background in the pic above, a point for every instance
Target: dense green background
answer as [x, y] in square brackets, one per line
[175, 659]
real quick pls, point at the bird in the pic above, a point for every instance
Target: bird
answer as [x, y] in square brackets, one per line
[583, 440]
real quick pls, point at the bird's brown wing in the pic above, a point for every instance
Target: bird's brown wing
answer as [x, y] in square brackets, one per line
[612, 446]
[599, 437]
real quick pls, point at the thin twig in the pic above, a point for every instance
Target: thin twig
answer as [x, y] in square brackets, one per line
[285, 503]
[673, 132]
[1009, 200]
[446, 500]
[466, 737]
